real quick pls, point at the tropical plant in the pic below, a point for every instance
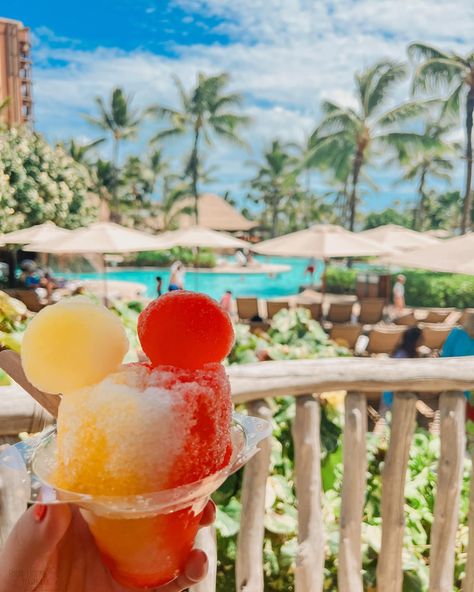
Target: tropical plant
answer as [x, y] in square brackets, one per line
[203, 114]
[40, 183]
[347, 137]
[431, 157]
[121, 122]
[396, 215]
[79, 152]
[276, 182]
[453, 74]
[444, 210]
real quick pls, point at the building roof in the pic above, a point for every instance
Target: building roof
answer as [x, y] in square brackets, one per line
[215, 213]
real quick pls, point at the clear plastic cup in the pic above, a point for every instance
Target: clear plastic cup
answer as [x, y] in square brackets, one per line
[143, 539]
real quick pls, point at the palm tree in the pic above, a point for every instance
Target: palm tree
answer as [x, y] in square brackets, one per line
[431, 158]
[121, 122]
[448, 72]
[276, 180]
[347, 136]
[79, 152]
[203, 113]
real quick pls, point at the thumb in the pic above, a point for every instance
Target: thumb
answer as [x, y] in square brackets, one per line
[31, 544]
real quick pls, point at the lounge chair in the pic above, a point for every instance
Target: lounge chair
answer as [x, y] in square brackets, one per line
[340, 312]
[274, 306]
[247, 308]
[437, 315]
[30, 298]
[315, 309]
[464, 314]
[407, 319]
[346, 334]
[434, 335]
[371, 310]
[384, 339]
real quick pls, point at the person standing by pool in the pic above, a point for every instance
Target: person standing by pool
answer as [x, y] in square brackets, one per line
[310, 269]
[159, 286]
[399, 294]
[177, 274]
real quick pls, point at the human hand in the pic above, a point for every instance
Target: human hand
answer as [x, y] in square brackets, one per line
[51, 550]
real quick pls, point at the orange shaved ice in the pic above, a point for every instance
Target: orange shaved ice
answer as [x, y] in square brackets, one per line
[142, 430]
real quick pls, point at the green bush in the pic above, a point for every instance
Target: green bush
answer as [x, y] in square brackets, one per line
[340, 280]
[205, 258]
[425, 288]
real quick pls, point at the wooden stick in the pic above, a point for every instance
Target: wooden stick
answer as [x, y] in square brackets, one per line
[389, 566]
[349, 577]
[446, 509]
[309, 570]
[249, 562]
[10, 361]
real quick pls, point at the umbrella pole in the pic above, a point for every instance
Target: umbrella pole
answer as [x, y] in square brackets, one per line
[196, 270]
[324, 277]
[104, 280]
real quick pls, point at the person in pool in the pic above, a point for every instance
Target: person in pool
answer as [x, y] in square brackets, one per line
[177, 274]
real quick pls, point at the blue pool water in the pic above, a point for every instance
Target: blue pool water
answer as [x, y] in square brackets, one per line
[215, 284]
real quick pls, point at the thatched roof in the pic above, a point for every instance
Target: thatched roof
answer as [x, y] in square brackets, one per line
[215, 213]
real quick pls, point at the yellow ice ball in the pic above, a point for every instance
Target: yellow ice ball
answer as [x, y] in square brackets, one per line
[72, 344]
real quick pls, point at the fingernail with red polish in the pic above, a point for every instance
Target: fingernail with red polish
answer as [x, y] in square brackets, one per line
[39, 512]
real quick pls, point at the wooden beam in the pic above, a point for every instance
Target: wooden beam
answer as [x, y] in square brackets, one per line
[299, 377]
[349, 576]
[249, 561]
[446, 509]
[309, 570]
[389, 565]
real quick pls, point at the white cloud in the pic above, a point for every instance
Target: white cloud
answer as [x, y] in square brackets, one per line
[284, 55]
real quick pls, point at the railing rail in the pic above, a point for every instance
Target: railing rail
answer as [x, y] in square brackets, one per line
[252, 384]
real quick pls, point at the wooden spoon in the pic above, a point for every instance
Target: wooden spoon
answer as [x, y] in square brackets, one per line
[10, 361]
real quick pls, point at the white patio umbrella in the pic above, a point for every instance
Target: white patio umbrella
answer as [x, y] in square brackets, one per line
[399, 238]
[455, 255]
[39, 233]
[200, 237]
[100, 238]
[321, 241]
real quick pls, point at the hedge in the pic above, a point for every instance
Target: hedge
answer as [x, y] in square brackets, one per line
[422, 288]
[205, 258]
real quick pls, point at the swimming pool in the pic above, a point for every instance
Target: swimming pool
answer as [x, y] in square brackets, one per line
[215, 284]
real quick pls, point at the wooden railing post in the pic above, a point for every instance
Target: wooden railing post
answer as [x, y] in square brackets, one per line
[468, 584]
[309, 571]
[353, 493]
[389, 565]
[249, 561]
[206, 540]
[446, 509]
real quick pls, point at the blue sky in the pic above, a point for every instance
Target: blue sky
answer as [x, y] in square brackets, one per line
[285, 56]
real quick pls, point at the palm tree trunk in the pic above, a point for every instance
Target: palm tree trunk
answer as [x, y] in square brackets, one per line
[358, 161]
[194, 165]
[114, 213]
[420, 210]
[274, 215]
[466, 217]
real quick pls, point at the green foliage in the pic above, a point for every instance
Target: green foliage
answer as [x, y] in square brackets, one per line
[293, 335]
[280, 545]
[388, 216]
[40, 183]
[205, 258]
[13, 317]
[424, 288]
[340, 280]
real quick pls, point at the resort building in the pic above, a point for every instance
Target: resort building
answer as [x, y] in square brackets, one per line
[15, 72]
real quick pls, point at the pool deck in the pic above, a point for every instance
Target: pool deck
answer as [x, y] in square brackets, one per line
[265, 268]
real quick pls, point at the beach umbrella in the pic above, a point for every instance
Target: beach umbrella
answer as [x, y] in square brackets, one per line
[100, 238]
[321, 241]
[39, 233]
[455, 255]
[399, 238]
[200, 237]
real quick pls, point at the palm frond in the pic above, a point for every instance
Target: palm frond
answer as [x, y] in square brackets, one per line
[384, 76]
[424, 51]
[436, 75]
[452, 104]
[402, 113]
[166, 133]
